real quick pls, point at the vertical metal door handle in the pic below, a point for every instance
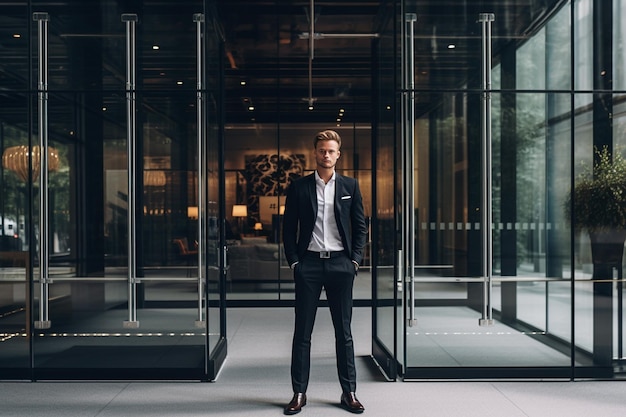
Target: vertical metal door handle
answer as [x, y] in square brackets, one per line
[42, 19]
[131, 129]
[487, 314]
[198, 18]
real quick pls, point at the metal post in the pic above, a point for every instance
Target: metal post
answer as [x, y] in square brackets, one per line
[198, 18]
[487, 314]
[409, 165]
[42, 19]
[131, 129]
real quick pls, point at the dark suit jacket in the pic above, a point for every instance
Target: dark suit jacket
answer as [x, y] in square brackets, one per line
[301, 212]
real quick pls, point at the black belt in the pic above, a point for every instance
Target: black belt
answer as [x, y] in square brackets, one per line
[325, 254]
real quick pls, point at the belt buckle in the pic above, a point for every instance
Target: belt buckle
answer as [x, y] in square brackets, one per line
[325, 254]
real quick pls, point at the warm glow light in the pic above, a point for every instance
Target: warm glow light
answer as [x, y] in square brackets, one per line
[258, 226]
[154, 178]
[17, 35]
[240, 210]
[192, 212]
[15, 158]
[281, 210]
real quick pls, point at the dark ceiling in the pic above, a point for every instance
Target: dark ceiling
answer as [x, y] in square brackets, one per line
[266, 46]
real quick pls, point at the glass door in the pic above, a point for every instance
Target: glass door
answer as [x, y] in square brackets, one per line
[122, 232]
[484, 250]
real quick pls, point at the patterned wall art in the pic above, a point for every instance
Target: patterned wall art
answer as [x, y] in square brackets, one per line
[269, 175]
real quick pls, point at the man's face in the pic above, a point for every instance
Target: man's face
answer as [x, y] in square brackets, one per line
[326, 153]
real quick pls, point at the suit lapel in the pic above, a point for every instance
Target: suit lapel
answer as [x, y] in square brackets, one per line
[313, 195]
[338, 194]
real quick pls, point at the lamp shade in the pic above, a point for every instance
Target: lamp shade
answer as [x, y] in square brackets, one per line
[258, 226]
[192, 212]
[240, 210]
[15, 158]
[155, 178]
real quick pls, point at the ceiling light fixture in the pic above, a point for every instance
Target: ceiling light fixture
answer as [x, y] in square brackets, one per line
[451, 46]
[155, 47]
[16, 159]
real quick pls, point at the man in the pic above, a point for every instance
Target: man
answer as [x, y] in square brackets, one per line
[324, 234]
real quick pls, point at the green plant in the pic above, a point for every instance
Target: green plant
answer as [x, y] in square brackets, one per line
[598, 201]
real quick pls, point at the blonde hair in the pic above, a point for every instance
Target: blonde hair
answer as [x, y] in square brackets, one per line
[327, 135]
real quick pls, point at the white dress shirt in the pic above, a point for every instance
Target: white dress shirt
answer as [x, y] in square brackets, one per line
[325, 233]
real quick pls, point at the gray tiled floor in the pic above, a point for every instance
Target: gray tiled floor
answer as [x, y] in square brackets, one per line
[255, 382]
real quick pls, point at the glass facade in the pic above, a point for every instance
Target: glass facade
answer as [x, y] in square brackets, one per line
[147, 146]
[546, 300]
[110, 269]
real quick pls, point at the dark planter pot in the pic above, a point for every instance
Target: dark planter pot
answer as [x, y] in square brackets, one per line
[607, 249]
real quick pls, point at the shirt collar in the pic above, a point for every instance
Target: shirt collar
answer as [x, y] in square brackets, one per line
[318, 178]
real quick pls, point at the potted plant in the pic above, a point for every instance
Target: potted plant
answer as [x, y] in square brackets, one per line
[597, 204]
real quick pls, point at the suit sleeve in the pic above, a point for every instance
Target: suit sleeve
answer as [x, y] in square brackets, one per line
[290, 225]
[359, 227]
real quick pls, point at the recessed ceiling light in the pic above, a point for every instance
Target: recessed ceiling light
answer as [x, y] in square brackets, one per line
[251, 108]
[155, 47]
[243, 82]
[17, 35]
[179, 82]
[104, 109]
[310, 107]
[451, 46]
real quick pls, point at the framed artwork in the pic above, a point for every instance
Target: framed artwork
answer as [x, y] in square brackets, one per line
[269, 175]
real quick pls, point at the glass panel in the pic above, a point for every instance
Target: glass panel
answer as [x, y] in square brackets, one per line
[89, 193]
[16, 193]
[531, 292]
[216, 310]
[259, 168]
[387, 315]
[253, 198]
[619, 44]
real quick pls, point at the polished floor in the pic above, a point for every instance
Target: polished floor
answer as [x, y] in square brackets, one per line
[255, 382]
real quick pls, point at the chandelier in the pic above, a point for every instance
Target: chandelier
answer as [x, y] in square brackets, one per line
[15, 158]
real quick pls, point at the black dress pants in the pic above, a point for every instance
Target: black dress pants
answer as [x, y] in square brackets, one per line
[336, 276]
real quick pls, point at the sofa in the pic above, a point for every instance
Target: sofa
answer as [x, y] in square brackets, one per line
[253, 259]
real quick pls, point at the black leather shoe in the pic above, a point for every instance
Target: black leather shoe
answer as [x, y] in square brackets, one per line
[351, 403]
[297, 402]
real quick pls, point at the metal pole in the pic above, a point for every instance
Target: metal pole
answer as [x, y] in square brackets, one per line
[487, 314]
[410, 19]
[201, 132]
[42, 19]
[131, 129]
